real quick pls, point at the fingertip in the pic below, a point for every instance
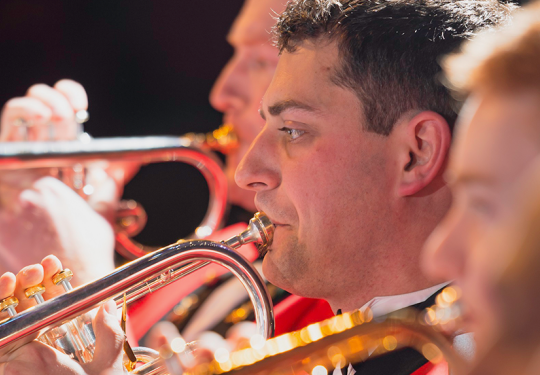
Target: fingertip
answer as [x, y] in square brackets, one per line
[29, 198]
[7, 285]
[51, 265]
[30, 275]
[110, 307]
[35, 89]
[74, 93]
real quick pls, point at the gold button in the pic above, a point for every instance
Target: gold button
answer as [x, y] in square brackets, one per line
[33, 290]
[64, 275]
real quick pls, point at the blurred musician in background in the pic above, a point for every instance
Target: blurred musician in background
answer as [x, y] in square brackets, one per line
[237, 94]
[39, 214]
[488, 242]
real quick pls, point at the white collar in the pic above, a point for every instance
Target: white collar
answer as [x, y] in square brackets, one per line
[380, 306]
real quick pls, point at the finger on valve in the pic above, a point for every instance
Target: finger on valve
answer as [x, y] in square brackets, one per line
[33, 284]
[62, 124]
[8, 303]
[45, 113]
[23, 119]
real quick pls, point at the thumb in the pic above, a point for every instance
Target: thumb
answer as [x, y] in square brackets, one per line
[110, 338]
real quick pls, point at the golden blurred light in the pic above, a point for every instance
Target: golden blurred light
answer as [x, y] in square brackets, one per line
[272, 346]
[449, 295]
[258, 354]
[368, 315]
[178, 345]
[430, 316]
[226, 366]
[389, 343]
[440, 302]
[355, 344]
[315, 332]
[335, 356]
[284, 342]
[432, 353]
[221, 355]
[319, 370]
[357, 317]
[257, 342]
[347, 320]
[236, 359]
[304, 336]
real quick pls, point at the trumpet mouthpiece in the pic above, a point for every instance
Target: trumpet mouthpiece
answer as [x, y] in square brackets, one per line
[260, 230]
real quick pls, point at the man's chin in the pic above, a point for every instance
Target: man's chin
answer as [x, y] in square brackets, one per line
[272, 273]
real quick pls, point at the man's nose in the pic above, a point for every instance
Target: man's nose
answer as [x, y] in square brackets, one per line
[259, 169]
[446, 249]
[227, 92]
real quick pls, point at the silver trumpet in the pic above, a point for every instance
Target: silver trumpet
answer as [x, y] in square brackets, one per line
[63, 321]
[71, 161]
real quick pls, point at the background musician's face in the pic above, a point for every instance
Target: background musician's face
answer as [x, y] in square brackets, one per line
[324, 182]
[497, 138]
[242, 83]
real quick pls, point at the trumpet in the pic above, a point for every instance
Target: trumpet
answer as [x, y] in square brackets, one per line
[132, 281]
[72, 160]
[347, 338]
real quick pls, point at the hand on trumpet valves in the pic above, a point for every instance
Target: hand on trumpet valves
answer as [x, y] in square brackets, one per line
[45, 113]
[38, 358]
[50, 218]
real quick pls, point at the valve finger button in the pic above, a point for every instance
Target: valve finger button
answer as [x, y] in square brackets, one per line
[63, 277]
[35, 292]
[9, 304]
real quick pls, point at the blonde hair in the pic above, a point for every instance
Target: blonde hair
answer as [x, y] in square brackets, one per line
[507, 58]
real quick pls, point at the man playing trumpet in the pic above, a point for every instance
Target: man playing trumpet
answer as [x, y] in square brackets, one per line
[348, 130]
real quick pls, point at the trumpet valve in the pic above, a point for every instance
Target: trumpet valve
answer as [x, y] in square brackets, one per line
[35, 292]
[63, 278]
[9, 304]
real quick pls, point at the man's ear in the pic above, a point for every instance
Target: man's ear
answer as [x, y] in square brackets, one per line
[425, 142]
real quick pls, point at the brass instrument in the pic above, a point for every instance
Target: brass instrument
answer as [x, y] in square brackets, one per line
[64, 322]
[348, 338]
[72, 159]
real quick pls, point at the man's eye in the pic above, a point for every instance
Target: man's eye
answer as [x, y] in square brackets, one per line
[293, 133]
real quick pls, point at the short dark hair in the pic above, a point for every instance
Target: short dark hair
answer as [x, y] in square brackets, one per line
[390, 48]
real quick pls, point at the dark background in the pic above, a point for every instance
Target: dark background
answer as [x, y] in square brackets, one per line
[148, 67]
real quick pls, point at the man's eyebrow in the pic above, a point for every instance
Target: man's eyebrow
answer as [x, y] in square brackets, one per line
[277, 108]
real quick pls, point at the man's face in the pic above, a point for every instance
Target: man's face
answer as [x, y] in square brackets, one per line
[323, 181]
[242, 83]
[497, 137]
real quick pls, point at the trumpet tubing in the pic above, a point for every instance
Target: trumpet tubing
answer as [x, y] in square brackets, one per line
[72, 159]
[128, 283]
